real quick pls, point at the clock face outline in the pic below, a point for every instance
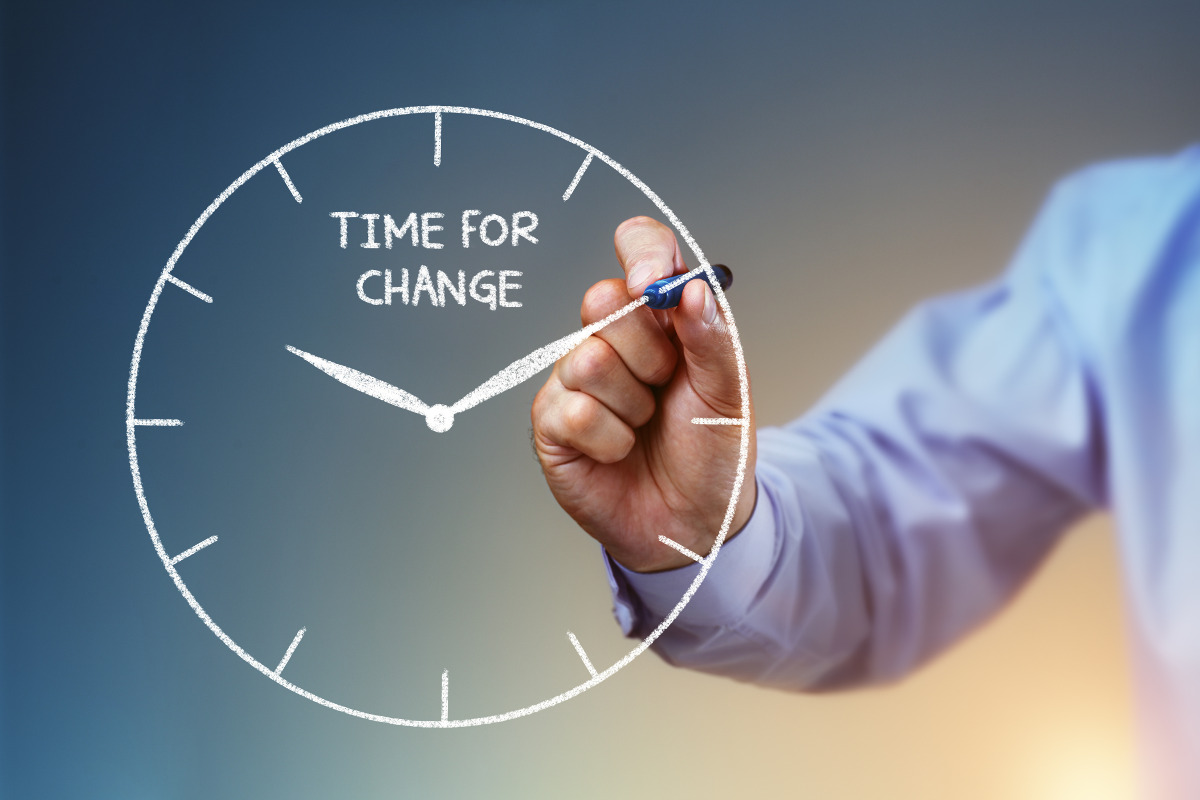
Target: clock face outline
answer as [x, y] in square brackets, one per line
[133, 422]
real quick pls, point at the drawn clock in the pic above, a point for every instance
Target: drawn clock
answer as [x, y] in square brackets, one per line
[309, 482]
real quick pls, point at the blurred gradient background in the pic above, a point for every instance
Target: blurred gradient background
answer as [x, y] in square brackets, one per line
[848, 159]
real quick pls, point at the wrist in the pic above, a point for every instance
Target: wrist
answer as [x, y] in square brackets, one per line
[652, 555]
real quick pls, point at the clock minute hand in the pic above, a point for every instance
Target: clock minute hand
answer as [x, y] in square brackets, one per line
[525, 368]
[364, 383]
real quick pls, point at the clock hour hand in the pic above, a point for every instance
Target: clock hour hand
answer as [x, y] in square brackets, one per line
[364, 383]
[525, 368]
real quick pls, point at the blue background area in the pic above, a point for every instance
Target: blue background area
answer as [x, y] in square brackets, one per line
[848, 159]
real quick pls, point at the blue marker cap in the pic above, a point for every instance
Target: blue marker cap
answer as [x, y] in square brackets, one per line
[657, 298]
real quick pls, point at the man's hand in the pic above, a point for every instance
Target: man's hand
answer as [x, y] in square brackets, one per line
[613, 427]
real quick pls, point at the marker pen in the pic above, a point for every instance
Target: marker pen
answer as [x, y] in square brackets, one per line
[657, 298]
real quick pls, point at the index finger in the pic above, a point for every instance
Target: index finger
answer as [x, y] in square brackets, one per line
[647, 251]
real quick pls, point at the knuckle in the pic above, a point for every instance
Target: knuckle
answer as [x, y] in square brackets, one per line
[594, 295]
[580, 413]
[644, 411]
[539, 411]
[627, 439]
[661, 368]
[603, 297]
[593, 362]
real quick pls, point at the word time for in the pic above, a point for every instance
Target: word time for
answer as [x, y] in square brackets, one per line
[492, 288]
[420, 229]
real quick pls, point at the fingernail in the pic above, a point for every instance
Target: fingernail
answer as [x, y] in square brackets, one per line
[643, 274]
[710, 307]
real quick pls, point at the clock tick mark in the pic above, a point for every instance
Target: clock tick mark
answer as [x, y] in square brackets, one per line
[283, 173]
[288, 655]
[187, 287]
[578, 174]
[693, 556]
[437, 139]
[155, 423]
[196, 548]
[445, 695]
[587, 662]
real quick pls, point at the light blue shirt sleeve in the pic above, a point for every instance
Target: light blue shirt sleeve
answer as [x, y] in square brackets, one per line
[917, 496]
[912, 501]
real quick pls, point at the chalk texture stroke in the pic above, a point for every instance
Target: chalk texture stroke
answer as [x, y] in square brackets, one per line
[437, 138]
[187, 287]
[445, 696]
[587, 662]
[191, 551]
[587, 161]
[133, 422]
[291, 649]
[287, 179]
[693, 556]
[361, 381]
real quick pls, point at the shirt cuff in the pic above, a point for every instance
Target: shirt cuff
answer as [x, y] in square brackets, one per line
[642, 600]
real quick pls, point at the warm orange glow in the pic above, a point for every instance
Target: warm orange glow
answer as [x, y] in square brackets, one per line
[1081, 764]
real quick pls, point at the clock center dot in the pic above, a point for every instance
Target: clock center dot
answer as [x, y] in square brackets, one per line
[439, 418]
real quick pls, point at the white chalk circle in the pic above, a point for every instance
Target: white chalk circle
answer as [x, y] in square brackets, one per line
[438, 418]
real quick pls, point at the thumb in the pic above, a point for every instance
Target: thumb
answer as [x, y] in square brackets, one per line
[708, 350]
[647, 251]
